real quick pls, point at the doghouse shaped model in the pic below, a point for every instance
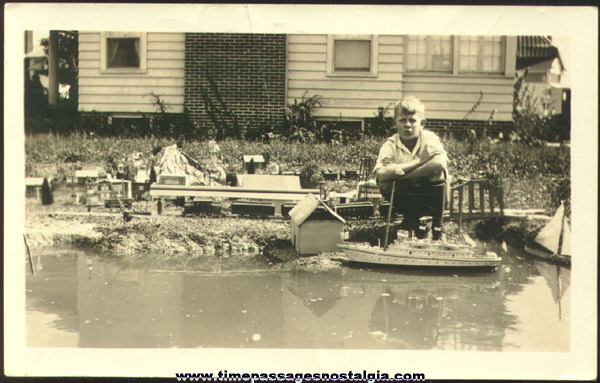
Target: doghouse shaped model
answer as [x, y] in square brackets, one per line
[315, 227]
[257, 160]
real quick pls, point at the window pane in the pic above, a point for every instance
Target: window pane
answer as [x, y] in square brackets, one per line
[429, 53]
[487, 64]
[352, 55]
[439, 60]
[123, 53]
[492, 60]
[412, 46]
[411, 62]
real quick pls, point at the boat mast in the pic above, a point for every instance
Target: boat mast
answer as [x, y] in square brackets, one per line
[389, 217]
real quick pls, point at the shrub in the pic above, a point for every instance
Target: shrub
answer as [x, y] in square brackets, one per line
[300, 123]
[310, 176]
[532, 123]
[46, 193]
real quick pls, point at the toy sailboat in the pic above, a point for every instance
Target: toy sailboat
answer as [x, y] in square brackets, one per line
[553, 242]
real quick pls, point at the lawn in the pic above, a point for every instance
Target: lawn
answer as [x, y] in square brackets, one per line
[532, 177]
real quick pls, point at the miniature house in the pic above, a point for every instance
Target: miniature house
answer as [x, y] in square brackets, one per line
[257, 160]
[33, 187]
[86, 176]
[315, 227]
[120, 188]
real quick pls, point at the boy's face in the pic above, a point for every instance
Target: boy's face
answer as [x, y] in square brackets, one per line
[409, 125]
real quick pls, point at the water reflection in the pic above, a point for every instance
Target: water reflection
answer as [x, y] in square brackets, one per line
[101, 302]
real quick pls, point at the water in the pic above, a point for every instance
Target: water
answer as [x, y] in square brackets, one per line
[80, 299]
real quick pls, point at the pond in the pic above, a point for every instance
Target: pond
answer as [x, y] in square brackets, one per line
[81, 299]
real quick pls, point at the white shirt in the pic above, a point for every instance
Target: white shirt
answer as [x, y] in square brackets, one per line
[393, 151]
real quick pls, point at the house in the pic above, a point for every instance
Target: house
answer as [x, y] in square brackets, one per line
[545, 73]
[245, 80]
[315, 227]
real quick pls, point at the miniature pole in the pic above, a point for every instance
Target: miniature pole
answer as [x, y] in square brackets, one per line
[389, 217]
[29, 253]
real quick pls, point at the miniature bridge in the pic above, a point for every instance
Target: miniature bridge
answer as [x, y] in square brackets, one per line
[474, 199]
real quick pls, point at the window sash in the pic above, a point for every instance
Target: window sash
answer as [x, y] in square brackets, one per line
[352, 55]
[481, 54]
[123, 52]
[429, 53]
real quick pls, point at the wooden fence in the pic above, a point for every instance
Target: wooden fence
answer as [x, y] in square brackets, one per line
[483, 200]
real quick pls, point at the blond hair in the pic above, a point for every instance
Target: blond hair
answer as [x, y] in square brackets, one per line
[409, 105]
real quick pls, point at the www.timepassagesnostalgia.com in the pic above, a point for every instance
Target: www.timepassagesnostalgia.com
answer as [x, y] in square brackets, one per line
[364, 376]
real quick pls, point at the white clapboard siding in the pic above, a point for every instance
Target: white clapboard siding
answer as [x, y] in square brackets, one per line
[446, 96]
[129, 92]
[127, 98]
[350, 96]
[455, 95]
[341, 112]
[346, 94]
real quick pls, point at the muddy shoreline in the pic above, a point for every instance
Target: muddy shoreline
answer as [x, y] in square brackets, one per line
[180, 242]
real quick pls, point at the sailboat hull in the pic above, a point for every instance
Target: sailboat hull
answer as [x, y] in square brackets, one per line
[376, 255]
[543, 254]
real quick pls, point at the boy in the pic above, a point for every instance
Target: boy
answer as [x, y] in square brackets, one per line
[416, 160]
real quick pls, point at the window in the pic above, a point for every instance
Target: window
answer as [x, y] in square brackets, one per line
[352, 55]
[123, 52]
[429, 53]
[481, 54]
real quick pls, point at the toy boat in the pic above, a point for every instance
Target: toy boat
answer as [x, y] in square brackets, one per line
[554, 241]
[420, 253]
[413, 252]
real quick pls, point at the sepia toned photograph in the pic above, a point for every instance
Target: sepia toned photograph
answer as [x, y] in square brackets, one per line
[335, 199]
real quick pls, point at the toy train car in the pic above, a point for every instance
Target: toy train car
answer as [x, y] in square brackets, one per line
[355, 210]
[253, 209]
[383, 209]
[114, 202]
[205, 206]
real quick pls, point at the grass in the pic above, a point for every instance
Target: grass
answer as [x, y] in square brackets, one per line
[532, 177]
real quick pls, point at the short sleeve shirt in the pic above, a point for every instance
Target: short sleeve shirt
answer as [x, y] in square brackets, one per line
[393, 151]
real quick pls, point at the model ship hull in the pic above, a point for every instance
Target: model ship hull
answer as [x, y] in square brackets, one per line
[553, 242]
[544, 254]
[422, 257]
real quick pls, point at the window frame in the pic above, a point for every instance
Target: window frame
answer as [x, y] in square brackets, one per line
[428, 56]
[104, 36]
[361, 121]
[479, 71]
[331, 55]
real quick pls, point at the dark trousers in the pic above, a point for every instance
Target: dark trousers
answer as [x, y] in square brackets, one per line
[419, 199]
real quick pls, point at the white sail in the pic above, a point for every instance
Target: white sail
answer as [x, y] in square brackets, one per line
[565, 248]
[549, 236]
